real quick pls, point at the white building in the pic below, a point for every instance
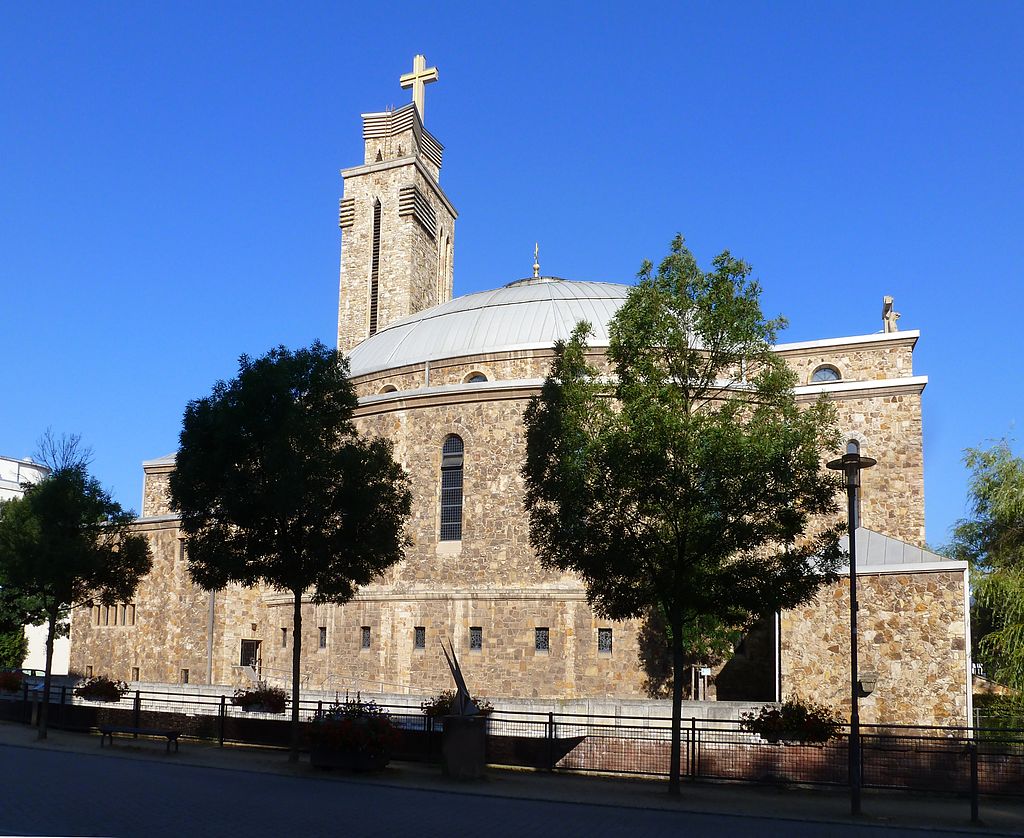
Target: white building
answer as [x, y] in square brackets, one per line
[14, 474]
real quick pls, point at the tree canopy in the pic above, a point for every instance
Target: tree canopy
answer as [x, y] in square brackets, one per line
[66, 543]
[992, 540]
[275, 486]
[689, 480]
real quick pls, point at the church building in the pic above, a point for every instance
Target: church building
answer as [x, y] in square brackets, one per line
[447, 380]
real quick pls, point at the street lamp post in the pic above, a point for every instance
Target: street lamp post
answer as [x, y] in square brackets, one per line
[851, 464]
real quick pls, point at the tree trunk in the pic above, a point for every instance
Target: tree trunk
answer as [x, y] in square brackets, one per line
[293, 753]
[675, 763]
[51, 629]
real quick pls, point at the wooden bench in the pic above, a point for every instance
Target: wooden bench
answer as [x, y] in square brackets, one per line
[108, 731]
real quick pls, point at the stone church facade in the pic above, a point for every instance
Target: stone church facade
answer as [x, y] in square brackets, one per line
[447, 379]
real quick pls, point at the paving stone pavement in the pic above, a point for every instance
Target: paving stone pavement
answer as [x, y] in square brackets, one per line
[69, 786]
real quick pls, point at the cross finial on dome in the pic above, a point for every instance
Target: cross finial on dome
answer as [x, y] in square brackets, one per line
[536, 260]
[420, 76]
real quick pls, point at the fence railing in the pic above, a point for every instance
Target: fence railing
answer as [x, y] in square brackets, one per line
[968, 761]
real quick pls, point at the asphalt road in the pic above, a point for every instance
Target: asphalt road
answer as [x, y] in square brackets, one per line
[71, 794]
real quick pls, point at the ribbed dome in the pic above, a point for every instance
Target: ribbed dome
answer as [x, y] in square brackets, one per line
[527, 314]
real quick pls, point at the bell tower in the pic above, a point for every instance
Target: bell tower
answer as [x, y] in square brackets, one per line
[397, 225]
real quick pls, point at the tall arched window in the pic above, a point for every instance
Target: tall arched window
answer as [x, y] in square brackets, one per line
[375, 268]
[451, 488]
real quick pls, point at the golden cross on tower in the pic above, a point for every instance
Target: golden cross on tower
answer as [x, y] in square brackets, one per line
[420, 76]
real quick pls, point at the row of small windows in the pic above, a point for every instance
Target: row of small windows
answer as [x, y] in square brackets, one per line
[122, 614]
[541, 640]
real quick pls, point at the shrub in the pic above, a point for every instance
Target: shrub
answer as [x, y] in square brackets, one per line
[101, 688]
[795, 721]
[354, 725]
[441, 705]
[263, 698]
[10, 682]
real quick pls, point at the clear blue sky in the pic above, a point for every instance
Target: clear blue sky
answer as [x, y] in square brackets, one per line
[169, 184]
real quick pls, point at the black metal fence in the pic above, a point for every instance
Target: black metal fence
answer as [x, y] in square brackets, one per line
[957, 760]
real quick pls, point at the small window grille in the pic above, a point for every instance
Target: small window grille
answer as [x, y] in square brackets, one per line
[184, 676]
[451, 488]
[135, 673]
[604, 641]
[476, 638]
[419, 637]
[323, 637]
[365, 632]
[542, 639]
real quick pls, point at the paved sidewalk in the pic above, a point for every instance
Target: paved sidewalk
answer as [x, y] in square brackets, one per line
[999, 815]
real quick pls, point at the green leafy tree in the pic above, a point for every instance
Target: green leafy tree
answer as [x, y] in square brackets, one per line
[992, 540]
[275, 487]
[690, 481]
[64, 544]
[13, 647]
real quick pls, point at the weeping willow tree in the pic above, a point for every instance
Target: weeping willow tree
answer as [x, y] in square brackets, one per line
[992, 540]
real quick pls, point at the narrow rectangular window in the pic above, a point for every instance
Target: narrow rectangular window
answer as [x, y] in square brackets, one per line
[604, 641]
[184, 676]
[131, 615]
[419, 637]
[124, 612]
[284, 637]
[250, 653]
[476, 638]
[323, 637]
[375, 268]
[541, 639]
[364, 632]
[88, 672]
[452, 454]
[95, 615]
[106, 614]
[135, 673]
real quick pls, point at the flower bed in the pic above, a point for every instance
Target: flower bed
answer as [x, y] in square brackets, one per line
[354, 735]
[263, 699]
[101, 688]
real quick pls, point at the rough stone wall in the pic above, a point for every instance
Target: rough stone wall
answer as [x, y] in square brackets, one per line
[156, 495]
[910, 631]
[868, 362]
[169, 633]
[888, 428]
[408, 266]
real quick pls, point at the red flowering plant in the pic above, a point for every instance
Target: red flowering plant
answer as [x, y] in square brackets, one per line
[355, 726]
[10, 682]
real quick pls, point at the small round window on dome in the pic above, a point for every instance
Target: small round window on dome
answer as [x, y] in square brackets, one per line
[824, 374]
[476, 378]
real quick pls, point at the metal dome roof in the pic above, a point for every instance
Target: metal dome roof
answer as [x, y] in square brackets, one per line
[527, 314]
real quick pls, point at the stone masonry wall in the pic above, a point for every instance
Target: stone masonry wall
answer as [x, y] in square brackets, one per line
[910, 631]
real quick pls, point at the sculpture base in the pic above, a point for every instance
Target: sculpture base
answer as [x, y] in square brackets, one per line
[464, 747]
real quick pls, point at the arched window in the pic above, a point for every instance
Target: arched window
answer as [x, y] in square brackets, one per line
[476, 378]
[375, 268]
[451, 488]
[824, 374]
[388, 388]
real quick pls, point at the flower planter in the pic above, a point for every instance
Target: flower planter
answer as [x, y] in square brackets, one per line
[327, 757]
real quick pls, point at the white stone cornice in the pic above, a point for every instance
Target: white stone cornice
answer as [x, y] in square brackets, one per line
[574, 593]
[875, 387]
[911, 336]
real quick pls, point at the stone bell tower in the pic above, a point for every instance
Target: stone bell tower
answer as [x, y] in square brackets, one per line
[397, 225]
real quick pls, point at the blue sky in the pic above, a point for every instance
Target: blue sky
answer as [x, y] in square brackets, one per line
[169, 184]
